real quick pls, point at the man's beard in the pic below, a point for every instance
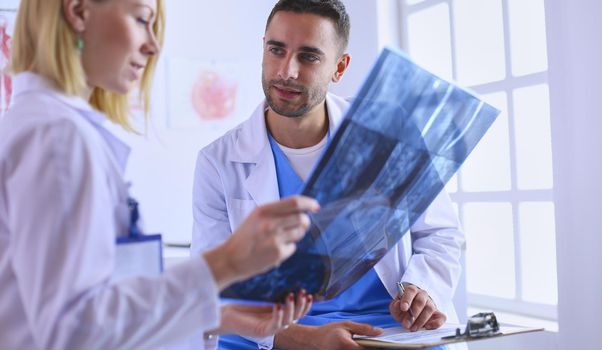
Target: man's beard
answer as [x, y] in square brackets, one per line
[315, 96]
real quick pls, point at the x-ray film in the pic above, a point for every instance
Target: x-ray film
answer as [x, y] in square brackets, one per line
[404, 136]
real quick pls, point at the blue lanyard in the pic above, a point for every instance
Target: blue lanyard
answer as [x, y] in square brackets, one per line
[134, 230]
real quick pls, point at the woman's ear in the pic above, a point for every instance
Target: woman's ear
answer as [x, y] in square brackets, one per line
[75, 13]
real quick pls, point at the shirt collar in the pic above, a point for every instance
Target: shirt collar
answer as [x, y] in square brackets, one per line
[28, 82]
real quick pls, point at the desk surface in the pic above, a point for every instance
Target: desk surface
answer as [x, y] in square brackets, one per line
[172, 256]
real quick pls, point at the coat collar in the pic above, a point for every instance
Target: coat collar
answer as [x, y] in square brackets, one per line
[28, 82]
[251, 145]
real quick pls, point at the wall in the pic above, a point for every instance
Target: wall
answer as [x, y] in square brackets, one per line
[162, 163]
[575, 75]
[575, 53]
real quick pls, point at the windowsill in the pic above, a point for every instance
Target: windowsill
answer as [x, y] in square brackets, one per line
[511, 319]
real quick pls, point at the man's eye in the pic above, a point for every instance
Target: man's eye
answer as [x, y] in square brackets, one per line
[276, 50]
[310, 57]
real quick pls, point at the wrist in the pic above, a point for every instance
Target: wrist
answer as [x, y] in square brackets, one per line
[294, 337]
[221, 329]
[221, 266]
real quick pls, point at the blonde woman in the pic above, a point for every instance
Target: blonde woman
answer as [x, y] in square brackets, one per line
[63, 199]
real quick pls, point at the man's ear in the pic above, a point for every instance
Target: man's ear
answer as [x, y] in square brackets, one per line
[342, 65]
[75, 13]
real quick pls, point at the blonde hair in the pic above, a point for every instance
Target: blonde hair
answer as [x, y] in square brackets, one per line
[45, 43]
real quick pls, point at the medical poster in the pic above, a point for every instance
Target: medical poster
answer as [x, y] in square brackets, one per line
[404, 136]
[209, 93]
[8, 13]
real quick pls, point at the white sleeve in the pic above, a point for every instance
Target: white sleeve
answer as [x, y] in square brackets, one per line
[211, 225]
[62, 221]
[437, 243]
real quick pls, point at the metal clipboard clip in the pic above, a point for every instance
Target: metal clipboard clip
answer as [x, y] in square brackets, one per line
[481, 325]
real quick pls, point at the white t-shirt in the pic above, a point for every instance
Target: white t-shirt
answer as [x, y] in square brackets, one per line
[303, 159]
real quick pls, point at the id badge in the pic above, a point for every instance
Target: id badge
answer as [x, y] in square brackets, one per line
[141, 255]
[137, 254]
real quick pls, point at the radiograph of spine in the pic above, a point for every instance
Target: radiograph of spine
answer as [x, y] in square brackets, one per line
[214, 96]
[403, 137]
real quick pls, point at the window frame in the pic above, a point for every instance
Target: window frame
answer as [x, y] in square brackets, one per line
[514, 195]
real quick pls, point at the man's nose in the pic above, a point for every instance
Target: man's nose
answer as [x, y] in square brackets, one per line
[289, 69]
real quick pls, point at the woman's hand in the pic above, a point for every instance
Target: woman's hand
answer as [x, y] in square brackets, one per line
[266, 238]
[262, 321]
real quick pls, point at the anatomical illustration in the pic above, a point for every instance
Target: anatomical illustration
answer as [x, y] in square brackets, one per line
[214, 95]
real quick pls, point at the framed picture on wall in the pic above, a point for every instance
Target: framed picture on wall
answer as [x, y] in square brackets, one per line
[215, 95]
[8, 13]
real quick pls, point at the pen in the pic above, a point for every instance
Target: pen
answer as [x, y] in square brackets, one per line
[402, 290]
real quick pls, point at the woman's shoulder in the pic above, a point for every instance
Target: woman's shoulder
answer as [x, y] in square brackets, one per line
[38, 107]
[43, 121]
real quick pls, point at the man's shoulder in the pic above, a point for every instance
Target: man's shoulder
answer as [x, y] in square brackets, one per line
[227, 143]
[222, 144]
[340, 100]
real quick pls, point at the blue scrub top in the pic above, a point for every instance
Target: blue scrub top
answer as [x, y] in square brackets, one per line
[366, 301]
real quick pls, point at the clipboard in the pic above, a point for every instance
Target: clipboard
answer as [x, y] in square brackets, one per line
[479, 327]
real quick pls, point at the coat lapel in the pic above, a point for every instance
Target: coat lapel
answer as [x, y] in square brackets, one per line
[262, 183]
[252, 148]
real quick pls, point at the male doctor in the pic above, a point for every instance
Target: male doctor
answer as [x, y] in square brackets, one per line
[270, 155]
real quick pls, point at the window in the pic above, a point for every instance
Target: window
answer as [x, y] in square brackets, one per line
[504, 191]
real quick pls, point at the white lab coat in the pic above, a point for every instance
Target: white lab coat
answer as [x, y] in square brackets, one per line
[62, 203]
[236, 173]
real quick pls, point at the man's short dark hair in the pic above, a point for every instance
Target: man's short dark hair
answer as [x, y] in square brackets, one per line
[332, 9]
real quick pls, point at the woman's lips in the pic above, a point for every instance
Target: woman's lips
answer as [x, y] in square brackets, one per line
[137, 70]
